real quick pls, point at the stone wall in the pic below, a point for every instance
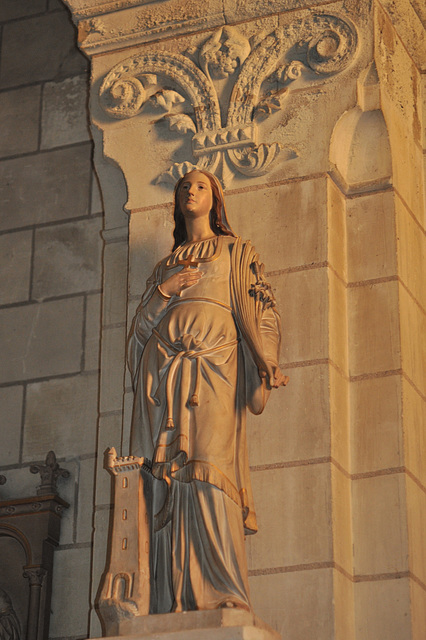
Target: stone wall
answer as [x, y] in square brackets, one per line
[50, 288]
[337, 458]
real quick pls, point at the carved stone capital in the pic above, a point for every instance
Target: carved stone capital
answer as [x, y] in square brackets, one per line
[261, 73]
[35, 575]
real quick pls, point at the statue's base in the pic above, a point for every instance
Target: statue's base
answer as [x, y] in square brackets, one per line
[219, 624]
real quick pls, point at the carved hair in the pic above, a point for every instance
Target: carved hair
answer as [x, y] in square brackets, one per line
[218, 219]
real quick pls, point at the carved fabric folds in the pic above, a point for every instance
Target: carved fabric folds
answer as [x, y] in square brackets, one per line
[195, 370]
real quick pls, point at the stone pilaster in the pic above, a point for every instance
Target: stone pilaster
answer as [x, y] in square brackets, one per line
[400, 52]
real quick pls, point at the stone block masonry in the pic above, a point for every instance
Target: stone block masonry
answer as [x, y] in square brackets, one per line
[45, 187]
[339, 222]
[50, 285]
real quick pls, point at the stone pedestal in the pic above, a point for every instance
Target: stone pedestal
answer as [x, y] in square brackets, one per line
[219, 624]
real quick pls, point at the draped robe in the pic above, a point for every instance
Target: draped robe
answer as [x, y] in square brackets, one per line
[195, 361]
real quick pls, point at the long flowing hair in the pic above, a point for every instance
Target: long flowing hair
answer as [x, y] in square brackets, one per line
[218, 219]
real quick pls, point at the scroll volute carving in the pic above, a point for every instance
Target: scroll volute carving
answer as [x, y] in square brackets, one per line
[262, 72]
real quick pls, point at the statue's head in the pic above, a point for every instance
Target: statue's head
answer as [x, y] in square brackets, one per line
[218, 219]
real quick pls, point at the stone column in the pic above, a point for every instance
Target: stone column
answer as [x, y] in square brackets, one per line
[35, 576]
[255, 92]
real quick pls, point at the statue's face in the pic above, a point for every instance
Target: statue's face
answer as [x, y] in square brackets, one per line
[195, 195]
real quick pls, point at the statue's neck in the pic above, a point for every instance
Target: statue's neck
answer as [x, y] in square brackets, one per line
[198, 229]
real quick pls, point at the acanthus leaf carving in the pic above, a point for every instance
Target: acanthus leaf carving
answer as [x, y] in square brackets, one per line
[181, 123]
[264, 68]
[271, 102]
[167, 99]
[176, 171]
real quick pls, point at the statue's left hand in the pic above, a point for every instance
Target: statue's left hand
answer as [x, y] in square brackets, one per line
[277, 379]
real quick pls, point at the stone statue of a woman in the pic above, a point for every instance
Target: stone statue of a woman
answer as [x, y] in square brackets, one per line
[203, 347]
[9, 623]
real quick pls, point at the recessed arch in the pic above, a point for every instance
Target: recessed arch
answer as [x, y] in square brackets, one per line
[8, 530]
